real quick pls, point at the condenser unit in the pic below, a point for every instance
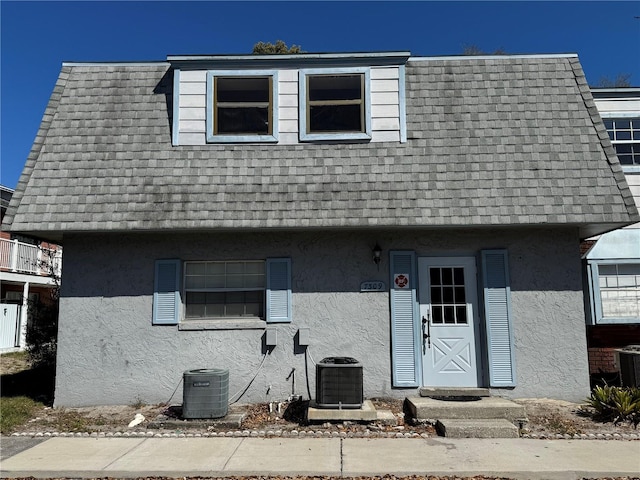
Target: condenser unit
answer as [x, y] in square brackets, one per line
[205, 393]
[339, 383]
[629, 362]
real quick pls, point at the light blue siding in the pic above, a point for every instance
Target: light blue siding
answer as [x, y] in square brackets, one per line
[405, 353]
[497, 311]
[278, 290]
[175, 126]
[166, 292]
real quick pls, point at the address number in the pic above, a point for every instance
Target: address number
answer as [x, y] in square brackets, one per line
[372, 286]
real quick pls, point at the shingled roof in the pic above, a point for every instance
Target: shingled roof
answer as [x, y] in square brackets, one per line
[491, 141]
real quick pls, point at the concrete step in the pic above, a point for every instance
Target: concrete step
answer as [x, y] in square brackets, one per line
[424, 408]
[365, 413]
[496, 428]
[437, 392]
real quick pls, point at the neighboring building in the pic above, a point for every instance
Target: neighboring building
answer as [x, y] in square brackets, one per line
[27, 270]
[613, 261]
[421, 215]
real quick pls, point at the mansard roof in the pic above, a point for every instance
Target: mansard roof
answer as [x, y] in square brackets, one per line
[491, 141]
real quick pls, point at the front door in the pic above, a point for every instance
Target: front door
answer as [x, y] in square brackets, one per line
[449, 317]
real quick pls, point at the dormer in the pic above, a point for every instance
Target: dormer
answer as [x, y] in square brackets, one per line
[289, 99]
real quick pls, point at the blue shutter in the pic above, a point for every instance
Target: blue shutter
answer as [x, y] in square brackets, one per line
[166, 293]
[278, 290]
[405, 350]
[497, 311]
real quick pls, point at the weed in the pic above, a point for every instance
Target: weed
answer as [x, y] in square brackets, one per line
[138, 403]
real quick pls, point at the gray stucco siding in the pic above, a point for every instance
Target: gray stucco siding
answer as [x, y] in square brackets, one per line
[110, 353]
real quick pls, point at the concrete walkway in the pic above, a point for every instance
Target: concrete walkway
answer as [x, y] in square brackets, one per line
[180, 457]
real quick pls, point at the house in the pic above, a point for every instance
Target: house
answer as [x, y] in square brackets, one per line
[612, 262]
[259, 213]
[28, 272]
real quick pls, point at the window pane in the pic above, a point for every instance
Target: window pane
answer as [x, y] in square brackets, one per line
[254, 281]
[447, 294]
[335, 118]
[195, 268]
[339, 87]
[623, 124]
[437, 316]
[607, 269]
[635, 123]
[243, 120]
[458, 276]
[195, 281]
[235, 281]
[238, 89]
[254, 267]
[623, 135]
[629, 269]
[461, 314]
[623, 148]
[434, 275]
[436, 295]
[447, 276]
[215, 281]
[608, 124]
[449, 316]
[460, 295]
[215, 268]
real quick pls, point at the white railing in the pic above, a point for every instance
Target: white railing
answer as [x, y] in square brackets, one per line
[21, 257]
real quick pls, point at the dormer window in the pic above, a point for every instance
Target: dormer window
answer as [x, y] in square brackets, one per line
[242, 106]
[335, 104]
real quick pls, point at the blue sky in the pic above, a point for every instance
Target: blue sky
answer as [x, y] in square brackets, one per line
[36, 37]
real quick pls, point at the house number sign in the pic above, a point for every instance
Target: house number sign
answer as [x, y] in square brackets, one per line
[372, 286]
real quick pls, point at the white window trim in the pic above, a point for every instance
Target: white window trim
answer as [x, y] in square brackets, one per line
[623, 115]
[302, 103]
[594, 273]
[272, 138]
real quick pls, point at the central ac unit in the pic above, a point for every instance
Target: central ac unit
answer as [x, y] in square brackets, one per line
[339, 383]
[205, 393]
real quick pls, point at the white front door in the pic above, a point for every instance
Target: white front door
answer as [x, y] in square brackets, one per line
[449, 316]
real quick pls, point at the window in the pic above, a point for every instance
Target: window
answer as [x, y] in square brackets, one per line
[334, 104]
[224, 289]
[625, 137]
[619, 286]
[242, 106]
[448, 297]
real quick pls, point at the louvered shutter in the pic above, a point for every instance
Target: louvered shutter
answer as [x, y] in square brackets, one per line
[497, 310]
[405, 350]
[278, 290]
[166, 293]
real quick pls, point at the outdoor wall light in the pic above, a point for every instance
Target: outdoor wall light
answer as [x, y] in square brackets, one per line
[377, 251]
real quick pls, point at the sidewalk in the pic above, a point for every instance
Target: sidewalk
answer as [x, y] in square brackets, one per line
[180, 457]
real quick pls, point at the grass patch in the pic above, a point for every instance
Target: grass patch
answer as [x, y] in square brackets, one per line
[15, 411]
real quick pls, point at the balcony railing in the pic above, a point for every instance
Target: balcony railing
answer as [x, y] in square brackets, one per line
[21, 257]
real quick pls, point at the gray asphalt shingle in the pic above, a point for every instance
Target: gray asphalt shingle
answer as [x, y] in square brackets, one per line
[501, 141]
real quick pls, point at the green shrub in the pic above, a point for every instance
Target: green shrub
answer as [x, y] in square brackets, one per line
[615, 404]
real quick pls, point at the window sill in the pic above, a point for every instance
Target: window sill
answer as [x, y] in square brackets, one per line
[242, 138]
[619, 321]
[223, 324]
[319, 137]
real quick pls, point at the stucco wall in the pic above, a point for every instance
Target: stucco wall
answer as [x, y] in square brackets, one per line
[110, 353]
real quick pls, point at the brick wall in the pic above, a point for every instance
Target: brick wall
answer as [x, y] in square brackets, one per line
[602, 342]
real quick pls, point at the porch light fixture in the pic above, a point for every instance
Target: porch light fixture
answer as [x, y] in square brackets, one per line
[377, 251]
